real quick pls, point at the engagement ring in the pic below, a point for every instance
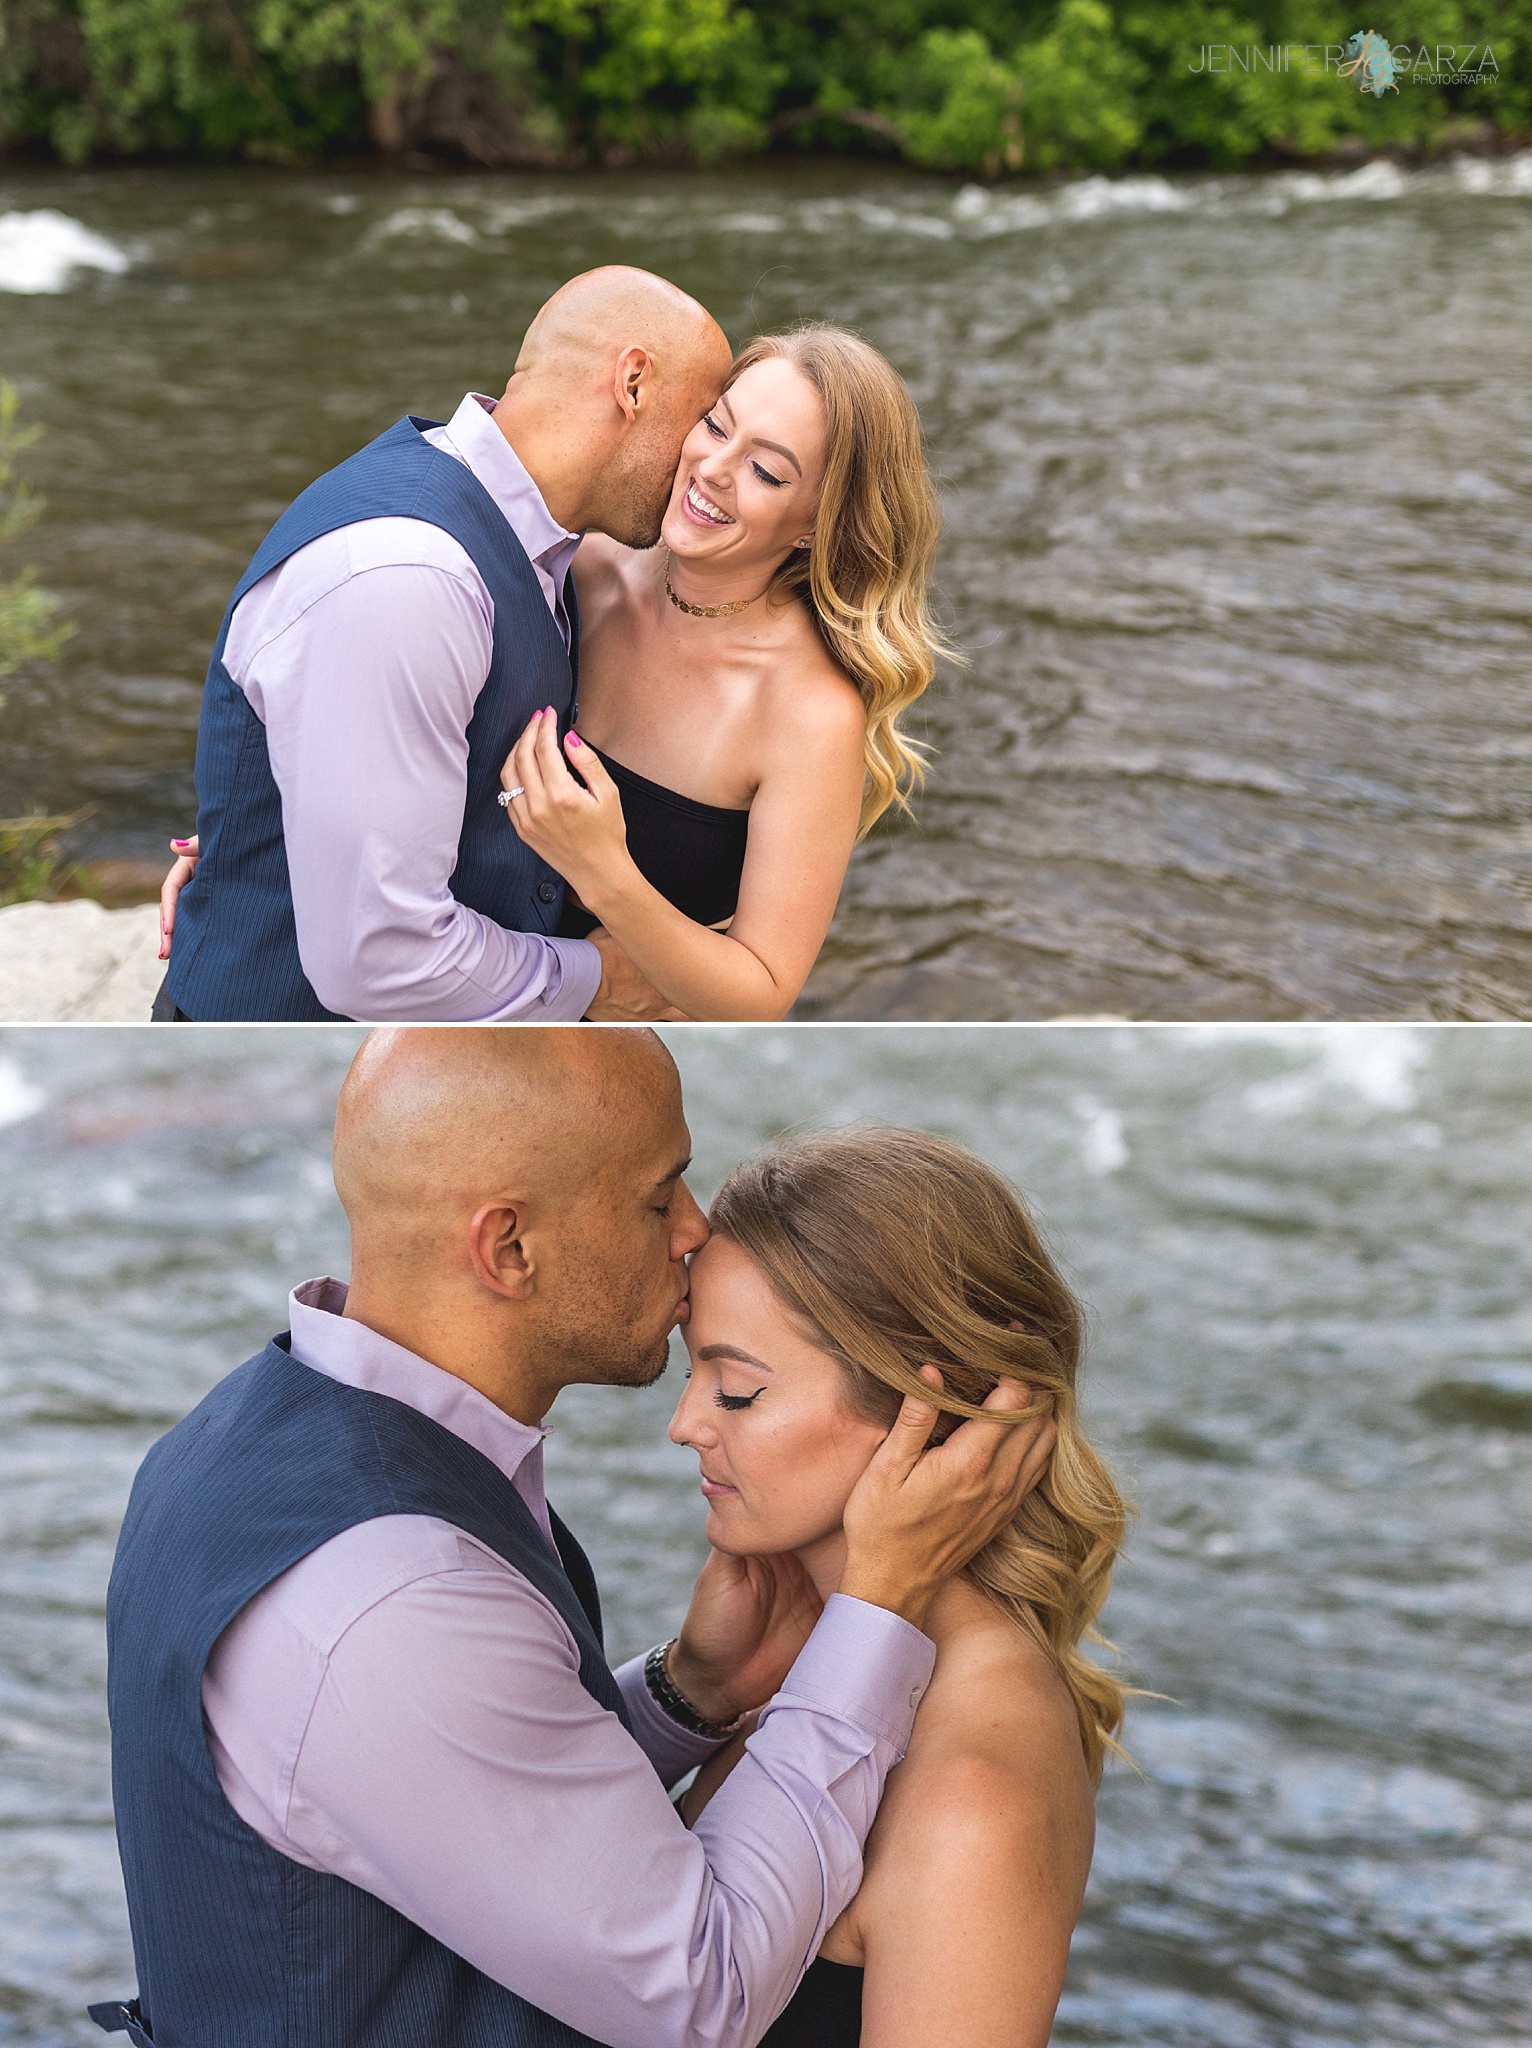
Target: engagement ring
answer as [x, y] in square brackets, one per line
[508, 796]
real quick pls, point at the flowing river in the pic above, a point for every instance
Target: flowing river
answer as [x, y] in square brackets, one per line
[1308, 1258]
[1236, 470]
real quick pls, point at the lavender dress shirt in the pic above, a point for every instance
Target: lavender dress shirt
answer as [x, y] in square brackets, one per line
[362, 655]
[402, 1709]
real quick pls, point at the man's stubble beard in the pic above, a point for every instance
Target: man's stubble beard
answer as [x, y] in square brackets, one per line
[603, 1354]
[596, 1341]
[640, 501]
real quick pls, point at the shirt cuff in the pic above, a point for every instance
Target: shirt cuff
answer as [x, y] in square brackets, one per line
[579, 979]
[866, 1665]
[672, 1749]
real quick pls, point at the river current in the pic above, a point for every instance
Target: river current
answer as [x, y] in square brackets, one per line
[1308, 1259]
[1236, 474]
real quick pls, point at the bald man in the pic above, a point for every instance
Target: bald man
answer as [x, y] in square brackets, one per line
[375, 1784]
[380, 656]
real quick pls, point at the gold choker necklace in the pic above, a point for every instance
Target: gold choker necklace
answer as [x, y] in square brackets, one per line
[706, 611]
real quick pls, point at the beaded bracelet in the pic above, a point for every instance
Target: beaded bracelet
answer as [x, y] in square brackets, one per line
[674, 1704]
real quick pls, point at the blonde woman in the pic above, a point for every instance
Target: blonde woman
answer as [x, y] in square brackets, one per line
[838, 1273]
[740, 686]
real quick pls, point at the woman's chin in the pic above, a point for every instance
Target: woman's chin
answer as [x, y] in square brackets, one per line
[686, 539]
[679, 537]
[724, 1532]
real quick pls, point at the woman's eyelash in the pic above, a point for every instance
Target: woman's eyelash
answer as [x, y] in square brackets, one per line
[720, 434]
[737, 1400]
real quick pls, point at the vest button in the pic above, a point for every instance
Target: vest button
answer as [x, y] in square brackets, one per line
[546, 891]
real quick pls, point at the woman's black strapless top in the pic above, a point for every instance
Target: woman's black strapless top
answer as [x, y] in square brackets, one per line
[693, 853]
[824, 2012]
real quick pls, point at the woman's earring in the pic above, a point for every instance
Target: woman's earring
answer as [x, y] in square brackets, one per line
[807, 542]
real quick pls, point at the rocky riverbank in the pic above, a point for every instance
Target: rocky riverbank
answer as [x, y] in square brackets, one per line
[75, 963]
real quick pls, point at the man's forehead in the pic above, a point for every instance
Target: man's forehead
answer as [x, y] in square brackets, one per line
[674, 1153]
[649, 1144]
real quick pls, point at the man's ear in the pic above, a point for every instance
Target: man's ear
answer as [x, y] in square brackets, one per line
[631, 380]
[499, 1259]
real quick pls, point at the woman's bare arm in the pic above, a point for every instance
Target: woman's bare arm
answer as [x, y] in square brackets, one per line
[967, 1912]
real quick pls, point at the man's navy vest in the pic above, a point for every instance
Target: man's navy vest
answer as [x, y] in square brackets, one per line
[236, 947]
[236, 1945]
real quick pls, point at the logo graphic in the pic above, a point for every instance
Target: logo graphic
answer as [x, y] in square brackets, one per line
[1366, 57]
[1372, 63]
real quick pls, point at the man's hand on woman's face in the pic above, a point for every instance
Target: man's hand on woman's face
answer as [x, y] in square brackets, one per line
[917, 1516]
[749, 1618]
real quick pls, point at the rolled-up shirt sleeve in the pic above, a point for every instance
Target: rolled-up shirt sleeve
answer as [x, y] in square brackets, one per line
[523, 1826]
[366, 696]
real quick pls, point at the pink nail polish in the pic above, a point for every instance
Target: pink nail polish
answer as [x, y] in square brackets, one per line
[575, 740]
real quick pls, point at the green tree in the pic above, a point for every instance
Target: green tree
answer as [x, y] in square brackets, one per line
[1080, 90]
[959, 106]
[975, 86]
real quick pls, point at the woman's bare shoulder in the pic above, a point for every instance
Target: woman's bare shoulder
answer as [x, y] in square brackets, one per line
[997, 1699]
[807, 699]
[995, 1769]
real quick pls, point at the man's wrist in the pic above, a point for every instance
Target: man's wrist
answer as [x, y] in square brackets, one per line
[624, 995]
[686, 1697]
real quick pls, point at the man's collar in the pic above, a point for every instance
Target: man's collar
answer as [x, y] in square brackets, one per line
[329, 1341]
[505, 476]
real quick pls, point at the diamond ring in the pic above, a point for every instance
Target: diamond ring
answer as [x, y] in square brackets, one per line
[508, 796]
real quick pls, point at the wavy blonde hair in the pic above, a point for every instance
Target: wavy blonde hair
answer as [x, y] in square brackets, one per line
[898, 1250]
[865, 575]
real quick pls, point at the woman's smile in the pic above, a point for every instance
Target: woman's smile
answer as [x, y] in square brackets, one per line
[700, 508]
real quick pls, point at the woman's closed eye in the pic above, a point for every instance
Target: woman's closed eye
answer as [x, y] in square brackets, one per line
[737, 1400]
[766, 477]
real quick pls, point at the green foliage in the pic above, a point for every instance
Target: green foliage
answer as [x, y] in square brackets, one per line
[986, 86]
[1081, 91]
[717, 131]
[649, 75]
[959, 105]
[1227, 117]
[32, 858]
[29, 626]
